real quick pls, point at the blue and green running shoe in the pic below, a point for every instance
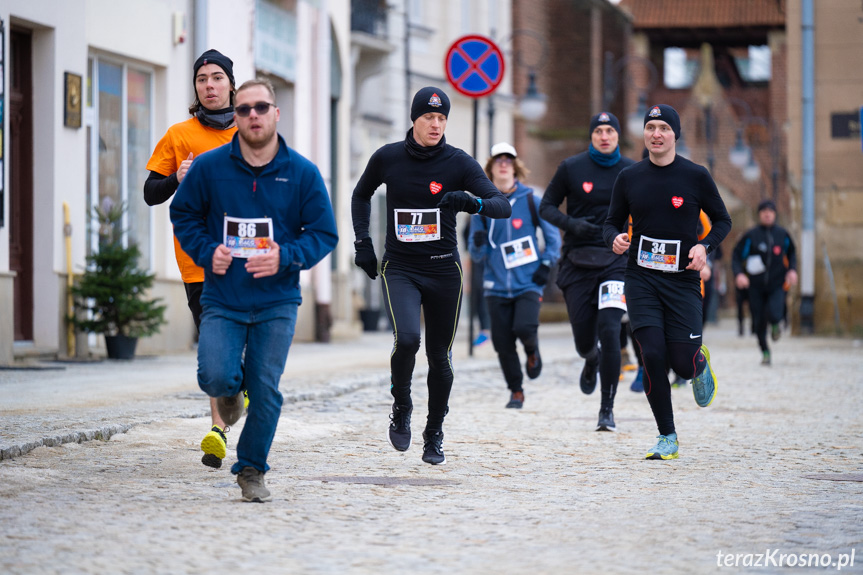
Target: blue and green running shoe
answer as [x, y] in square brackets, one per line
[704, 384]
[638, 383]
[665, 448]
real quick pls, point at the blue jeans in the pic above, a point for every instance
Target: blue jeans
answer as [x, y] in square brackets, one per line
[265, 336]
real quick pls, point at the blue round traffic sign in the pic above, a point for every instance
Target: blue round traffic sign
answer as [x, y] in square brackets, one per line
[474, 66]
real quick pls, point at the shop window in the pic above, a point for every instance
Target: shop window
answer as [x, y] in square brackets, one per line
[120, 127]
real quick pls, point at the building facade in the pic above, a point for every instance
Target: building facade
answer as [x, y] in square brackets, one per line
[831, 248]
[745, 120]
[399, 47]
[89, 87]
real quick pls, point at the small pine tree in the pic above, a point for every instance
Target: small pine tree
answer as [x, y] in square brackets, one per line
[112, 289]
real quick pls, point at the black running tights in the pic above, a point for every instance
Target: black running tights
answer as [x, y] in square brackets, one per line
[658, 355]
[513, 319]
[436, 292]
[767, 307]
[603, 325]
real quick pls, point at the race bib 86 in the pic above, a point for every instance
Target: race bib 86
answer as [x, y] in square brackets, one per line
[247, 237]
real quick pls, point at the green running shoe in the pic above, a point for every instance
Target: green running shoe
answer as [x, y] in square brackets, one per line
[665, 448]
[704, 384]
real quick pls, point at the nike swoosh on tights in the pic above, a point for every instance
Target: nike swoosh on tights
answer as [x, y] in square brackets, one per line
[694, 336]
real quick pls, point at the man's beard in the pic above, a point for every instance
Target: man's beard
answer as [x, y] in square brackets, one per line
[260, 140]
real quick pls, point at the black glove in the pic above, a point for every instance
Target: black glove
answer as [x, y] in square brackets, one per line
[366, 258]
[582, 228]
[460, 201]
[480, 238]
[540, 276]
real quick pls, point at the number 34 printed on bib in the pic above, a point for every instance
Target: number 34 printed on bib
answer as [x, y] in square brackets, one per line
[247, 237]
[662, 255]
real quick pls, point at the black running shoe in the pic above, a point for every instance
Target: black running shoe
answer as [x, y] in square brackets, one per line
[516, 400]
[533, 365]
[399, 433]
[606, 420]
[588, 374]
[433, 447]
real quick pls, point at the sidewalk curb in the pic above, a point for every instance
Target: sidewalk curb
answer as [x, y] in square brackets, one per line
[338, 387]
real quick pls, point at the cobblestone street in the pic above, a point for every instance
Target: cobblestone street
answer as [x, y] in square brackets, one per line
[776, 463]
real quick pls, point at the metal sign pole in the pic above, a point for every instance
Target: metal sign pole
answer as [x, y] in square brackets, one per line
[474, 65]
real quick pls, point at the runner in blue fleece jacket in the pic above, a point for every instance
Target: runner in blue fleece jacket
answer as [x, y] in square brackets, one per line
[515, 269]
[256, 200]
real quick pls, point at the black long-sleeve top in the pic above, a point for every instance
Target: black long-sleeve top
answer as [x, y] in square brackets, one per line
[158, 189]
[417, 178]
[665, 202]
[586, 186]
[774, 246]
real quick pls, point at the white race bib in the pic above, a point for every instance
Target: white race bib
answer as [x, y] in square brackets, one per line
[662, 255]
[611, 295]
[755, 265]
[518, 252]
[417, 225]
[247, 237]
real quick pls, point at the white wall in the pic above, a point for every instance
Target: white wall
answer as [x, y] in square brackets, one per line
[58, 152]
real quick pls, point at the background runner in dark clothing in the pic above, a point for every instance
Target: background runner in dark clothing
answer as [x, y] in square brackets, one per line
[765, 263]
[590, 274]
[428, 182]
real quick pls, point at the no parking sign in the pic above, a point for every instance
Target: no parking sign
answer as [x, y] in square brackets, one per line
[474, 66]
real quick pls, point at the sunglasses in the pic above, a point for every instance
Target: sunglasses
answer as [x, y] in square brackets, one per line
[260, 108]
[504, 160]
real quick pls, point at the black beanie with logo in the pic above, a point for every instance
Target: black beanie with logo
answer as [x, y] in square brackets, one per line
[667, 114]
[429, 99]
[605, 118]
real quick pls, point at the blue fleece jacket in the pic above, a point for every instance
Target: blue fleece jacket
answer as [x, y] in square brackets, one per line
[289, 190]
[497, 280]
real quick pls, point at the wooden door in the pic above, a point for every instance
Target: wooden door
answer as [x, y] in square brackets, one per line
[21, 180]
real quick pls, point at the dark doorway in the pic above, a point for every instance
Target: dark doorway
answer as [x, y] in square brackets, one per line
[21, 180]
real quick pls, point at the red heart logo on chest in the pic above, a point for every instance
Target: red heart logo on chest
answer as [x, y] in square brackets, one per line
[676, 201]
[516, 223]
[587, 187]
[435, 187]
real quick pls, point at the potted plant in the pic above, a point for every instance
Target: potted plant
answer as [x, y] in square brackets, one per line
[110, 295]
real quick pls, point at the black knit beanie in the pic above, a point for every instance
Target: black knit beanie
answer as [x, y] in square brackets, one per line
[767, 205]
[217, 58]
[429, 99]
[605, 118]
[667, 114]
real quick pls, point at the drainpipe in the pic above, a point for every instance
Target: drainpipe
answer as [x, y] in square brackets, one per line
[807, 240]
[200, 28]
